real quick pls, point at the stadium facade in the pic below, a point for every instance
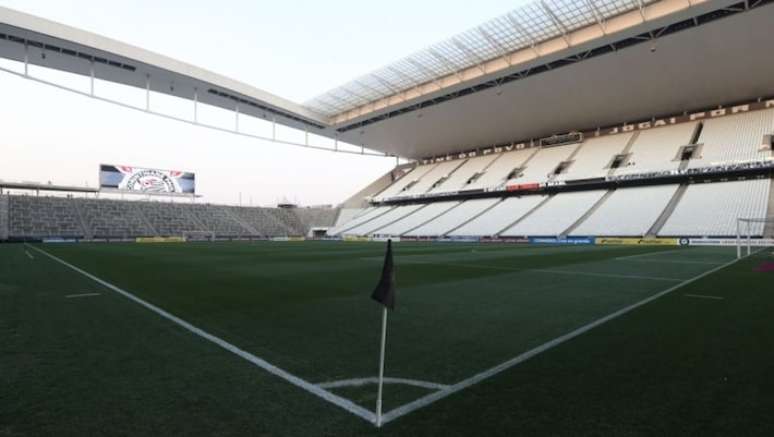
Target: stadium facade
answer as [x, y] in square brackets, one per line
[560, 120]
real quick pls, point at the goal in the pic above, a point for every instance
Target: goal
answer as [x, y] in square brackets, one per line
[746, 228]
[199, 235]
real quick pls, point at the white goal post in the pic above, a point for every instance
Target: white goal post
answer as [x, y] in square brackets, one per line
[199, 235]
[746, 228]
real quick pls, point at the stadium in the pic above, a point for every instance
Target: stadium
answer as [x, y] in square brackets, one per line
[578, 226]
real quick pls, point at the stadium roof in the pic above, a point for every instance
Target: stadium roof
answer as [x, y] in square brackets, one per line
[524, 27]
[548, 67]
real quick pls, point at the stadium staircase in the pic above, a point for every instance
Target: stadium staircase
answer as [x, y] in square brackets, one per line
[3, 217]
[529, 213]
[667, 212]
[475, 216]
[88, 232]
[247, 227]
[146, 221]
[587, 214]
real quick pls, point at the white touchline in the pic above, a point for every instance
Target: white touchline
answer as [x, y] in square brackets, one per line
[429, 399]
[295, 380]
[71, 296]
[702, 296]
[29, 255]
[666, 261]
[373, 380]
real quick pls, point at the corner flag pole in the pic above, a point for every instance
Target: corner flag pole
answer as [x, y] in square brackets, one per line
[381, 369]
[384, 293]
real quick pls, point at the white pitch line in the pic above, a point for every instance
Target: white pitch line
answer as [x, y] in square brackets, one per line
[29, 255]
[429, 399]
[373, 380]
[667, 261]
[346, 404]
[660, 252]
[72, 296]
[607, 275]
[703, 296]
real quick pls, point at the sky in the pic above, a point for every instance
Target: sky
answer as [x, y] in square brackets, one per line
[295, 49]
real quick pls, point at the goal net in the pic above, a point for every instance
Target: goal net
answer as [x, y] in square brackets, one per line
[753, 232]
[199, 235]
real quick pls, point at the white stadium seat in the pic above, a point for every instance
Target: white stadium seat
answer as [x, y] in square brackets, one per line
[556, 215]
[712, 209]
[628, 212]
[454, 218]
[499, 217]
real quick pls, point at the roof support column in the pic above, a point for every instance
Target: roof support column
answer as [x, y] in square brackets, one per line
[196, 105]
[91, 78]
[147, 92]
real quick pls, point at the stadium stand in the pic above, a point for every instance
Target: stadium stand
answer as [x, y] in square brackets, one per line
[376, 224]
[594, 157]
[435, 177]
[657, 149]
[628, 212]
[453, 218]
[459, 180]
[346, 215]
[497, 172]
[501, 216]
[367, 215]
[542, 165]
[112, 219]
[37, 217]
[417, 219]
[406, 182]
[316, 218]
[43, 217]
[3, 217]
[734, 138]
[169, 219]
[712, 209]
[557, 215]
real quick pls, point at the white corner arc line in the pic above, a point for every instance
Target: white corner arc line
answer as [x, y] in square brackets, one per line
[73, 296]
[475, 379]
[356, 382]
[346, 404]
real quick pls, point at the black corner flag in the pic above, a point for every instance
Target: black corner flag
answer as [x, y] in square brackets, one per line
[384, 292]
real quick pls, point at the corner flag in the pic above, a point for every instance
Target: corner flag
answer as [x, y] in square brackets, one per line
[384, 292]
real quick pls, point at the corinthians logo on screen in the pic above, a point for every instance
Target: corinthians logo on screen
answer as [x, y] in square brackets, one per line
[146, 180]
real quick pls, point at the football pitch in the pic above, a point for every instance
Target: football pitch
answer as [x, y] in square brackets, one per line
[272, 338]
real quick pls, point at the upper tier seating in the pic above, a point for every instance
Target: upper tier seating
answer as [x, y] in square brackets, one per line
[41, 217]
[375, 225]
[734, 138]
[711, 210]
[540, 167]
[453, 218]
[433, 176]
[594, 157]
[458, 180]
[498, 218]
[658, 149]
[413, 176]
[418, 218]
[556, 215]
[347, 214]
[497, 172]
[628, 212]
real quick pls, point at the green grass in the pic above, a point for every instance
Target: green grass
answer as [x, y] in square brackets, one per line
[105, 365]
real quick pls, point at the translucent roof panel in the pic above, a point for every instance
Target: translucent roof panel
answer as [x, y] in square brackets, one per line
[529, 24]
